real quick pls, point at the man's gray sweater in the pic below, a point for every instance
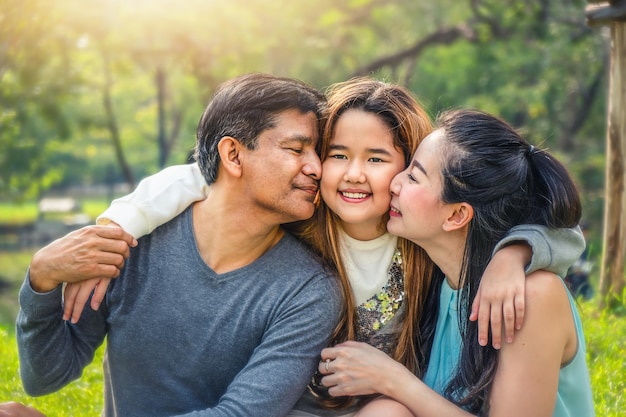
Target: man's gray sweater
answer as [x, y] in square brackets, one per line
[183, 340]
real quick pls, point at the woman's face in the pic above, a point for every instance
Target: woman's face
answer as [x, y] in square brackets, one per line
[417, 211]
[357, 172]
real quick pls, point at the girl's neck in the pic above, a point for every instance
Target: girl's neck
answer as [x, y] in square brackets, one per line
[364, 231]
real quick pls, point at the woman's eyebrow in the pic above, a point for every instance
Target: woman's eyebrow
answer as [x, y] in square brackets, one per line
[419, 166]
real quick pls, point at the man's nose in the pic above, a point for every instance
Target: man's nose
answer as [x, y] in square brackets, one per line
[313, 166]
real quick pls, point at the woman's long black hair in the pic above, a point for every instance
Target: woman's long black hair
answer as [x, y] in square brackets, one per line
[508, 182]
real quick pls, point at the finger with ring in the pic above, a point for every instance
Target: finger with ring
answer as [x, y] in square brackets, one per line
[326, 365]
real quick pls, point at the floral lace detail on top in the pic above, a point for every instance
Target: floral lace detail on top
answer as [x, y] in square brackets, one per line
[375, 313]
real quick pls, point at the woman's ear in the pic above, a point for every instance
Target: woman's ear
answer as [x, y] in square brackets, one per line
[229, 149]
[461, 215]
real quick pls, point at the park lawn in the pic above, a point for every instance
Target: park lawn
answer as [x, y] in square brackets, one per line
[605, 333]
[13, 266]
[606, 352]
[81, 398]
[13, 213]
[26, 212]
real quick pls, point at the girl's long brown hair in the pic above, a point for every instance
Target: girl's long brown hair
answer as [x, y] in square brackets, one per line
[409, 124]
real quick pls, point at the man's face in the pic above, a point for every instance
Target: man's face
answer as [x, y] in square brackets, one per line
[283, 172]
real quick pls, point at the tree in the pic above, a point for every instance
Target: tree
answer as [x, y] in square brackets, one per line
[36, 109]
[612, 282]
[131, 78]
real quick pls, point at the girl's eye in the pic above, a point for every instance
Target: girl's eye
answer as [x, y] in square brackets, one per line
[376, 160]
[411, 177]
[338, 156]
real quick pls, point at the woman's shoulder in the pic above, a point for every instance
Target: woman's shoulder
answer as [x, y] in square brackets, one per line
[543, 286]
[547, 303]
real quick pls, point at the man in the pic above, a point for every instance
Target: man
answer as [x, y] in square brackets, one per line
[218, 312]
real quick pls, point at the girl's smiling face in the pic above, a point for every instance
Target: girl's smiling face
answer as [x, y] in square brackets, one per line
[357, 172]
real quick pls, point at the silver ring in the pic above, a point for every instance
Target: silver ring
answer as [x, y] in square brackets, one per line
[326, 365]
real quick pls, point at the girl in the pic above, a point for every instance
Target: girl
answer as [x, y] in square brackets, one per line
[470, 182]
[372, 129]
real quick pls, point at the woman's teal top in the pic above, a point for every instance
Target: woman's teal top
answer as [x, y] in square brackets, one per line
[574, 396]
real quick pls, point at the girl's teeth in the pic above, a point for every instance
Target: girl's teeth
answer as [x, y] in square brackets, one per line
[354, 195]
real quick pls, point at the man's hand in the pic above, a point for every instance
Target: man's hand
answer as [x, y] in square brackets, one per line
[88, 253]
[13, 409]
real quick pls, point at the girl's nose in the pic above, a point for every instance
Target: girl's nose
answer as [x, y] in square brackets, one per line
[355, 173]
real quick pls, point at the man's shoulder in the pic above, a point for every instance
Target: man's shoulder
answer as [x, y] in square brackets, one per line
[295, 257]
[300, 250]
[299, 254]
[181, 225]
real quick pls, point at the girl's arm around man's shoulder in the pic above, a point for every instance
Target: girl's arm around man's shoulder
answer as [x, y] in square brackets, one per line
[157, 199]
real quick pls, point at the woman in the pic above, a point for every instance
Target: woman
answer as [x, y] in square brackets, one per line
[470, 182]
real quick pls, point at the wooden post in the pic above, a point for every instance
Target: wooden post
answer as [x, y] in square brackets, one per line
[612, 283]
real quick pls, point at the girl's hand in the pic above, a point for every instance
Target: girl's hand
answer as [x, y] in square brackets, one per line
[500, 297]
[76, 295]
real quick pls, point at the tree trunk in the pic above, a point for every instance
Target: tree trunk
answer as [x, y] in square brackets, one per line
[161, 139]
[111, 122]
[612, 272]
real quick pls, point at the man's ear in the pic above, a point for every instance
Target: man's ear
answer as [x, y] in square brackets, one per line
[461, 215]
[229, 149]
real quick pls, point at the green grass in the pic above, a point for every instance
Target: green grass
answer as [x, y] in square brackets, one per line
[605, 332]
[12, 213]
[13, 266]
[606, 347]
[81, 398]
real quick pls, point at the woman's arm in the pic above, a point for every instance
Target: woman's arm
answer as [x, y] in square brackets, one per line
[526, 382]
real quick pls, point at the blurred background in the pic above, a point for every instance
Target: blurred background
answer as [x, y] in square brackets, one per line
[97, 94]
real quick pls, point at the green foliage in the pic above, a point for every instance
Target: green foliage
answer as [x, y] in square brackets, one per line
[535, 63]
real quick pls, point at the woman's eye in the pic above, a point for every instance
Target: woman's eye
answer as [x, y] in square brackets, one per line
[411, 177]
[338, 156]
[376, 160]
